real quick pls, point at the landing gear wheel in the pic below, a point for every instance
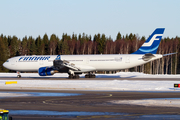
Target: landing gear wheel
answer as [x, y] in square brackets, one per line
[87, 76]
[90, 76]
[70, 76]
[18, 76]
[76, 77]
[73, 77]
[93, 76]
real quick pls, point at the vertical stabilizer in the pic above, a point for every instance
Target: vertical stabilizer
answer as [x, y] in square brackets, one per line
[152, 43]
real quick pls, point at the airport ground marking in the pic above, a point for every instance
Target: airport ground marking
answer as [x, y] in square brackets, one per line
[10, 82]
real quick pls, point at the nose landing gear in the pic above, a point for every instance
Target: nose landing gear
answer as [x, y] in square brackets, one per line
[18, 76]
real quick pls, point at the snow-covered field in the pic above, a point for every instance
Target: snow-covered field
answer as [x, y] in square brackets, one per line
[107, 85]
[103, 85]
[165, 102]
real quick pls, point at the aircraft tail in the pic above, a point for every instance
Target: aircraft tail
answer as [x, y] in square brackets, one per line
[152, 43]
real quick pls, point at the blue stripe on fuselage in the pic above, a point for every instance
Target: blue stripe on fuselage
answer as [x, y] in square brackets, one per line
[24, 59]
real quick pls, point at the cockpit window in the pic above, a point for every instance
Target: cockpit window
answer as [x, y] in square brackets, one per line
[7, 61]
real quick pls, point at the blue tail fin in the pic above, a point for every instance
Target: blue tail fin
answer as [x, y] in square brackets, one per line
[152, 43]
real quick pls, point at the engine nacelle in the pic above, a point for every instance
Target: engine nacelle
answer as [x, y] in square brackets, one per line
[45, 71]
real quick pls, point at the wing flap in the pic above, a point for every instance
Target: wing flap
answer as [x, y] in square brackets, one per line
[64, 63]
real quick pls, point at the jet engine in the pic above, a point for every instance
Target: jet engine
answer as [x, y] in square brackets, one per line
[45, 71]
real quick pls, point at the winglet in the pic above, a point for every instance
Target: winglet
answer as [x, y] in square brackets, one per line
[152, 43]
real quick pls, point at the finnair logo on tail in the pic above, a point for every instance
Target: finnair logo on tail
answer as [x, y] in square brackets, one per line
[152, 40]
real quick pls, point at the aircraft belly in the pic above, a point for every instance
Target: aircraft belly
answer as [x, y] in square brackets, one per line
[85, 68]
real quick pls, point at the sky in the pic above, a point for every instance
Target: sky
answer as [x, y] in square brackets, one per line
[37, 17]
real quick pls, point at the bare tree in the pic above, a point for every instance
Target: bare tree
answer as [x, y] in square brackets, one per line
[89, 47]
[168, 50]
[162, 52]
[95, 47]
[77, 47]
[72, 45]
[53, 44]
[176, 56]
[83, 47]
[136, 43]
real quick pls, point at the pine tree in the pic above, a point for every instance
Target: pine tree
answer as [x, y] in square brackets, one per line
[24, 46]
[31, 46]
[59, 47]
[14, 45]
[5, 41]
[101, 44]
[53, 44]
[3, 56]
[38, 43]
[46, 44]
[118, 36]
[64, 45]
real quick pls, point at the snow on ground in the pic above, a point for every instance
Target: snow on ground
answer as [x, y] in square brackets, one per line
[142, 75]
[103, 85]
[112, 85]
[165, 102]
[4, 94]
[117, 75]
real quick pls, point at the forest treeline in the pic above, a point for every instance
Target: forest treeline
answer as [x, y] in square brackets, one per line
[11, 46]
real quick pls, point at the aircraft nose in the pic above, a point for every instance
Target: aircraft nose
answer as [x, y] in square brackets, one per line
[5, 64]
[9, 65]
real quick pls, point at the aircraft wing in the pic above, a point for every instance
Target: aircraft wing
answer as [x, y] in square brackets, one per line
[64, 63]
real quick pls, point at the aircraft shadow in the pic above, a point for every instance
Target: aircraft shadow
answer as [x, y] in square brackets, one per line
[113, 76]
[59, 77]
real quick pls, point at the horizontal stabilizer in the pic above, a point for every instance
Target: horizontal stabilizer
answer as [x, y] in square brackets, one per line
[169, 54]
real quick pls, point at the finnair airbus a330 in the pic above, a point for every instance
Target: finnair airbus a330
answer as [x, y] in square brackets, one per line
[74, 65]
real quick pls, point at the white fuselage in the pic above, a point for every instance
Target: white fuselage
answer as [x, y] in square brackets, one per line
[85, 63]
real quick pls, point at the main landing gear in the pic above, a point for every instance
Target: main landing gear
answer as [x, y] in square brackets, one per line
[89, 75]
[72, 75]
[18, 76]
[75, 76]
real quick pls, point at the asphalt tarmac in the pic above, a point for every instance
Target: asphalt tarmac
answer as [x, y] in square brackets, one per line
[89, 101]
[95, 104]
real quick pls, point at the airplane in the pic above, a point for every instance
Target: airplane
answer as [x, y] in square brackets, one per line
[47, 65]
